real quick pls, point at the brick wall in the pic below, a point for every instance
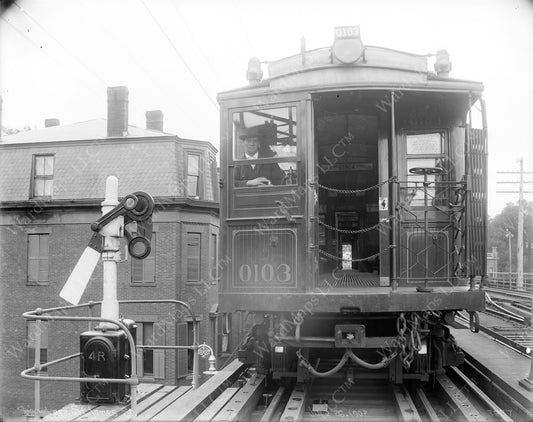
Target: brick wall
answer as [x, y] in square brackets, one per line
[69, 233]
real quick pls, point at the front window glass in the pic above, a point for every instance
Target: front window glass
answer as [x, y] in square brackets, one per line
[266, 139]
[425, 168]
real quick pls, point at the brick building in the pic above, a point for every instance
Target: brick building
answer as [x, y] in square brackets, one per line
[52, 184]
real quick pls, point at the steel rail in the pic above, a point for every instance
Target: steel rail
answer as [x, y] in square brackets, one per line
[517, 347]
[481, 377]
[513, 293]
[493, 408]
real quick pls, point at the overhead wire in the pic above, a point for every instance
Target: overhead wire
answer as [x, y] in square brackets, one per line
[32, 42]
[180, 56]
[124, 47]
[193, 38]
[61, 44]
[21, 33]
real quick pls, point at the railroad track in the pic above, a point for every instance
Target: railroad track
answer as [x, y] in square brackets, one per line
[510, 294]
[362, 397]
[454, 397]
[512, 331]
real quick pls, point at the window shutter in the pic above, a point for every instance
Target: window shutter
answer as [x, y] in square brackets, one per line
[143, 270]
[193, 256]
[33, 257]
[182, 353]
[159, 354]
[149, 268]
[139, 340]
[43, 257]
[136, 270]
[38, 252]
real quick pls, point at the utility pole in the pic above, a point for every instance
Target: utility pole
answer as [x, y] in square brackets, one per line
[509, 236]
[520, 234]
[520, 228]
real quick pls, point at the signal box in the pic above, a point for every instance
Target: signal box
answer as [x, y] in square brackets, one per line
[105, 354]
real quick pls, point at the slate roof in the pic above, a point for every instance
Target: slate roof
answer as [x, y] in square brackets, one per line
[90, 129]
[144, 160]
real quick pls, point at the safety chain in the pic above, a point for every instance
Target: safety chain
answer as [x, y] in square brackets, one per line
[408, 339]
[389, 180]
[417, 342]
[366, 229]
[401, 325]
[338, 258]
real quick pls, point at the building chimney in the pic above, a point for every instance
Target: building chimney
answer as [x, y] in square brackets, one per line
[154, 120]
[51, 122]
[117, 111]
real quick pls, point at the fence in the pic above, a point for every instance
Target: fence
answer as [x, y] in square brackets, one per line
[510, 281]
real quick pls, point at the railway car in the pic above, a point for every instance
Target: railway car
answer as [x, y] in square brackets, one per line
[353, 212]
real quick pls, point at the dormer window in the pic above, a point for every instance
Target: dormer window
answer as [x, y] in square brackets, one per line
[193, 175]
[43, 175]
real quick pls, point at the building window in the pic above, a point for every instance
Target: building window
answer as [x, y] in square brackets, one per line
[32, 333]
[38, 252]
[214, 260]
[215, 196]
[43, 175]
[143, 270]
[148, 357]
[193, 256]
[151, 362]
[193, 175]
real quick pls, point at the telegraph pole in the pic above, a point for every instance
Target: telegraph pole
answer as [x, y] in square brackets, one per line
[520, 228]
[509, 236]
[520, 234]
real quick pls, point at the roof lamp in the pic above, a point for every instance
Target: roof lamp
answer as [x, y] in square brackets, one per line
[443, 65]
[254, 72]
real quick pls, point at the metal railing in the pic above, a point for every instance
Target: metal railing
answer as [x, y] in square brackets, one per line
[506, 280]
[431, 222]
[39, 315]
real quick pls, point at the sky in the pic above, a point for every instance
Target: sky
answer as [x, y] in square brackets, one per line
[57, 58]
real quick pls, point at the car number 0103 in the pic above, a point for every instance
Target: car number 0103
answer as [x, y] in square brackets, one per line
[267, 272]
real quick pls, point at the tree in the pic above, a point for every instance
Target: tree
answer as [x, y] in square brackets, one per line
[12, 131]
[507, 220]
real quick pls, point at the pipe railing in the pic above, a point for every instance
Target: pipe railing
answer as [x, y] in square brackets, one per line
[509, 280]
[40, 315]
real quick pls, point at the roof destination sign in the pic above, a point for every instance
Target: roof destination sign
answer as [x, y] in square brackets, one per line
[347, 32]
[347, 47]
